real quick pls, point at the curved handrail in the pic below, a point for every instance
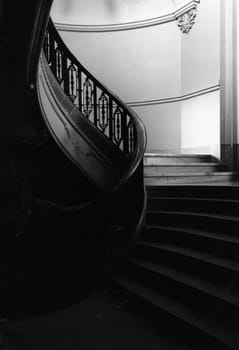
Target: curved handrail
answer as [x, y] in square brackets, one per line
[40, 24]
[105, 115]
[103, 108]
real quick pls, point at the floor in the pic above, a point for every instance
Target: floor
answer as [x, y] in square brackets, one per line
[101, 321]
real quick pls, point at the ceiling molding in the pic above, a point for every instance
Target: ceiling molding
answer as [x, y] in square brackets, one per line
[175, 99]
[129, 25]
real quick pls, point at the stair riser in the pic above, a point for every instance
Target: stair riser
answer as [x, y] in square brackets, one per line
[186, 179]
[159, 160]
[213, 272]
[187, 169]
[194, 205]
[202, 191]
[186, 240]
[194, 221]
[183, 293]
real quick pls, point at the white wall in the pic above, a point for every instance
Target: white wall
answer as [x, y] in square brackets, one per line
[201, 49]
[200, 128]
[137, 65]
[163, 125]
[200, 69]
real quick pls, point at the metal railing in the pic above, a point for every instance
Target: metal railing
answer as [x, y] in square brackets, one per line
[92, 98]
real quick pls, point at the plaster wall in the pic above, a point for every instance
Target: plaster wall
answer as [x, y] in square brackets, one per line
[200, 58]
[200, 49]
[200, 125]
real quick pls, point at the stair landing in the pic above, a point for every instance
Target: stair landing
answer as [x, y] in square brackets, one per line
[170, 169]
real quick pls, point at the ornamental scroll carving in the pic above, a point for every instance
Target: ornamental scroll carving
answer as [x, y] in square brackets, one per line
[187, 20]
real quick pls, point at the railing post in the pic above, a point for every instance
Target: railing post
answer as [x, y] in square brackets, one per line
[52, 54]
[65, 74]
[111, 136]
[125, 133]
[80, 89]
[95, 104]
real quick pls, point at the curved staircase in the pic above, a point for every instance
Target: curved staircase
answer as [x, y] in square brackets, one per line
[80, 150]
[186, 262]
[81, 160]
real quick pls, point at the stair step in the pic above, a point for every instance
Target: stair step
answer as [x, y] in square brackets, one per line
[160, 170]
[219, 246]
[208, 205]
[159, 159]
[213, 191]
[187, 178]
[203, 221]
[188, 313]
[189, 280]
[230, 265]
[198, 266]
[224, 238]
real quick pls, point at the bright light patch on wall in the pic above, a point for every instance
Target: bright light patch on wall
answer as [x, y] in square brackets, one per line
[200, 124]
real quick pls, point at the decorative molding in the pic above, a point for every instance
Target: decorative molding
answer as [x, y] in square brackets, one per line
[175, 99]
[187, 20]
[191, 5]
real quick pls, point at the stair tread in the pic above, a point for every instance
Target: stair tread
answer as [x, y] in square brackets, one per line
[189, 213]
[191, 164]
[222, 237]
[189, 280]
[188, 155]
[189, 314]
[213, 173]
[205, 186]
[199, 199]
[234, 185]
[192, 253]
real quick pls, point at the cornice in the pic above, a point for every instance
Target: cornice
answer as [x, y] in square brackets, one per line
[129, 25]
[175, 99]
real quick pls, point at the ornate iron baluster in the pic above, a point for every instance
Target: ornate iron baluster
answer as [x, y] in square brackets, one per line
[118, 115]
[79, 90]
[65, 74]
[95, 106]
[87, 97]
[111, 120]
[131, 132]
[46, 47]
[52, 56]
[72, 74]
[103, 112]
[125, 133]
[59, 64]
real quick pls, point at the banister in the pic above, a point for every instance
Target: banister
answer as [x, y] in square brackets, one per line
[96, 102]
[109, 117]
[40, 24]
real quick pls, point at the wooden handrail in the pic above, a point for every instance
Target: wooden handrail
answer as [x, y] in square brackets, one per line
[105, 114]
[96, 102]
